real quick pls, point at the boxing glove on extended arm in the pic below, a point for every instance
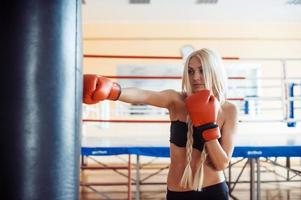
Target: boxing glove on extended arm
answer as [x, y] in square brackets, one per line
[203, 114]
[99, 88]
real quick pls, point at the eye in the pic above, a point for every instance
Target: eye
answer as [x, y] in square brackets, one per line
[201, 71]
[190, 72]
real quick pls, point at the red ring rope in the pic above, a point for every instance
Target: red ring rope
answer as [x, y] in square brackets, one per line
[160, 77]
[146, 57]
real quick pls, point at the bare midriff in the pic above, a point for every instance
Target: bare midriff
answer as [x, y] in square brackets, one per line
[178, 164]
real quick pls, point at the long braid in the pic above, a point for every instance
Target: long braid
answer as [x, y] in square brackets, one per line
[187, 177]
[199, 174]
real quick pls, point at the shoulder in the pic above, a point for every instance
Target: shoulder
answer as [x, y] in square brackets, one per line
[174, 95]
[171, 97]
[177, 110]
[230, 111]
[230, 116]
[229, 107]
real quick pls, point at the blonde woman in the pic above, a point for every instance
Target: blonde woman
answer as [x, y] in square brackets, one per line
[203, 124]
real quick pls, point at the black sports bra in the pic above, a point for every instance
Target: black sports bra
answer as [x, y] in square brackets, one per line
[178, 135]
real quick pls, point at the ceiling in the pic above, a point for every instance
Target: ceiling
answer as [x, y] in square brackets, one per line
[174, 11]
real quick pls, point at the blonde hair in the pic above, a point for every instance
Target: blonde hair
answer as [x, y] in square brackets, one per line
[215, 79]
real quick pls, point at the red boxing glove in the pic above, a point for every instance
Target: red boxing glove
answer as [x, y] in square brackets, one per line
[203, 114]
[99, 88]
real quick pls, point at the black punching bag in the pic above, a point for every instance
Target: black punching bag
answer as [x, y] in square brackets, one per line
[41, 95]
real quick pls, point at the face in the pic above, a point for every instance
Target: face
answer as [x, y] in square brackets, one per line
[195, 72]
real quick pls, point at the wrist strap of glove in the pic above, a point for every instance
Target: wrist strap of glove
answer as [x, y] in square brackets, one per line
[115, 92]
[208, 131]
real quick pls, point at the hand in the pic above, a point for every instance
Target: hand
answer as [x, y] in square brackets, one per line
[99, 88]
[202, 109]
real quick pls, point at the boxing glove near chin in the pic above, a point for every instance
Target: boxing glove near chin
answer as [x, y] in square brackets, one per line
[99, 88]
[203, 114]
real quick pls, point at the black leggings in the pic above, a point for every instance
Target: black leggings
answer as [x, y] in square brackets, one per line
[218, 191]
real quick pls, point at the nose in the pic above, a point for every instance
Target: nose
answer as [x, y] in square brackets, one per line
[197, 75]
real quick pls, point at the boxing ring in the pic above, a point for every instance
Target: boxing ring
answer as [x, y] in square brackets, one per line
[262, 137]
[250, 146]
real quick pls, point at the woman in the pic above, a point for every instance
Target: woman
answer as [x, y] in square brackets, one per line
[203, 124]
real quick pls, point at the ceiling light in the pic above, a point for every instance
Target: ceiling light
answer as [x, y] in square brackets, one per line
[206, 1]
[294, 2]
[139, 1]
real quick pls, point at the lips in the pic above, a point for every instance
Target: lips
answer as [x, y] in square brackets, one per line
[198, 85]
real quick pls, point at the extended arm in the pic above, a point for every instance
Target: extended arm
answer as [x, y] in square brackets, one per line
[134, 95]
[98, 88]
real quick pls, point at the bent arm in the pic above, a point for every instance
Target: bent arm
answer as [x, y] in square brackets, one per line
[220, 153]
[163, 99]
